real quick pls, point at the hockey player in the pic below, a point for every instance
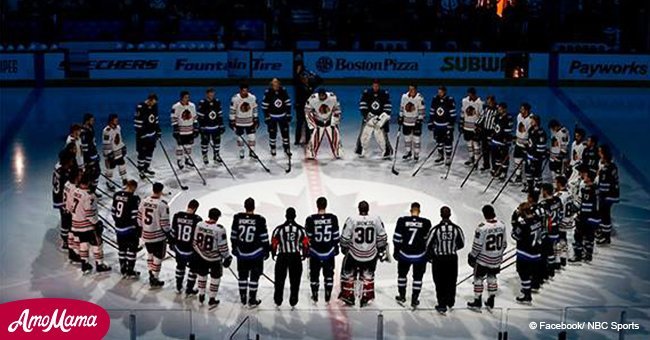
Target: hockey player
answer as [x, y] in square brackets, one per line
[566, 220]
[181, 242]
[322, 230]
[68, 204]
[74, 138]
[61, 175]
[529, 233]
[559, 150]
[376, 109]
[442, 118]
[411, 116]
[87, 226]
[89, 149]
[577, 147]
[211, 255]
[323, 114]
[147, 131]
[485, 128]
[114, 150]
[185, 128]
[243, 118]
[210, 119]
[304, 83]
[250, 245]
[521, 139]
[552, 206]
[276, 107]
[153, 217]
[289, 246]
[501, 140]
[125, 215]
[469, 122]
[444, 241]
[410, 250]
[608, 193]
[536, 152]
[363, 241]
[486, 257]
[587, 218]
[590, 156]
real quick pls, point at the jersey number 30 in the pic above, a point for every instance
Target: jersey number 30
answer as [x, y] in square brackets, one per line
[364, 235]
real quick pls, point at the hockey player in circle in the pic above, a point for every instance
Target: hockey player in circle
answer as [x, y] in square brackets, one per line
[276, 107]
[323, 115]
[147, 131]
[323, 232]
[185, 128]
[153, 217]
[289, 247]
[114, 150]
[210, 119]
[375, 108]
[243, 118]
[411, 116]
[470, 113]
[442, 118]
[180, 241]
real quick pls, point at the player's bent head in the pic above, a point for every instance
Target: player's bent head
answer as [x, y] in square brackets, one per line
[132, 184]
[111, 118]
[561, 181]
[87, 117]
[243, 85]
[152, 96]
[553, 124]
[158, 188]
[86, 179]
[290, 214]
[445, 212]
[488, 212]
[194, 204]
[525, 106]
[580, 132]
[183, 94]
[547, 189]
[471, 91]
[209, 90]
[249, 204]
[75, 128]
[321, 203]
[364, 208]
[415, 206]
[605, 152]
[214, 214]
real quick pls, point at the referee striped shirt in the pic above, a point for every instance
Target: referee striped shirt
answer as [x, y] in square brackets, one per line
[487, 121]
[446, 238]
[289, 238]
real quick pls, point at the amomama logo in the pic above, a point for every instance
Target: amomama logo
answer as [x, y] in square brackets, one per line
[52, 319]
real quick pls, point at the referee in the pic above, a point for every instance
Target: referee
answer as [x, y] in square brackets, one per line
[486, 129]
[290, 245]
[445, 239]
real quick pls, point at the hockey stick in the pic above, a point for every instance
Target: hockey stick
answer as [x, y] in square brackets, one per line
[142, 174]
[435, 148]
[288, 170]
[399, 134]
[497, 174]
[474, 166]
[254, 154]
[220, 160]
[502, 262]
[268, 278]
[507, 181]
[111, 181]
[183, 187]
[189, 155]
[453, 153]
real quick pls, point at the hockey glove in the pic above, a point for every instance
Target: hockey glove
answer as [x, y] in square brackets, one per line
[267, 255]
[227, 261]
[232, 124]
[471, 260]
[256, 123]
[400, 120]
[336, 250]
[99, 228]
[382, 255]
[287, 118]
[267, 120]
[344, 250]
[176, 136]
[158, 134]
[220, 130]
[430, 126]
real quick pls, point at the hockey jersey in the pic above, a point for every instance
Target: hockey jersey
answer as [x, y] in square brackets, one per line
[410, 238]
[153, 217]
[210, 241]
[83, 210]
[567, 211]
[324, 235]
[183, 229]
[125, 211]
[559, 144]
[588, 210]
[184, 118]
[78, 154]
[523, 126]
[363, 237]
[502, 130]
[442, 113]
[59, 178]
[146, 121]
[411, 109]
[468, 122]
[529, 233]
[68, 200]
[276, 104]
[608, 187]
[243, 111]
[112, 141]
[372, 104]
[210, 115]
[536, 144]
[577, 148]
[489, 244]
[88, 144]
[553, 209]
[591, 159]
[323, 112]
[249, 236]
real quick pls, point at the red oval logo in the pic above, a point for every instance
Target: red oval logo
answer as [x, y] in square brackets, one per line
[53, 319]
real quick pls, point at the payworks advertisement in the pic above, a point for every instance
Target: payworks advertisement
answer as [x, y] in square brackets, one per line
[618, 67]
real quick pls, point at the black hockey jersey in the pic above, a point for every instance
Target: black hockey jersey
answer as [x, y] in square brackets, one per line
[210, 115]
[529, 234]
[276, 104]
[59, 176]
[125, 211]
[537, 140]
[324, 235]
[410, 238]
[588, 210]
[553, 213]
[608, 187]
[182, 232]
[146, 122]
[442, 113]
[591, 159]
[502, 135]
[375, 103]
[249, 236]
[88, 144]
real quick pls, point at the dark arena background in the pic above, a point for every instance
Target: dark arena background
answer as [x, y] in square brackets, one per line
[487, 107]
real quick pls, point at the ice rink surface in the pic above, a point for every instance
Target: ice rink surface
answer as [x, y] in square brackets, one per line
[34, 123]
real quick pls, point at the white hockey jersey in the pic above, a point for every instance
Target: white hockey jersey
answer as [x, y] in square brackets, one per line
[363, 236]
[412, 109]
[113, 144]
[184, 118]
[469, 121]
[568, 209]
[559, 144]
[243, 111]
[68, 189]
[323, 112]
[576, 153]
[78, 155]
[153, 217]
[210, 241]
[523, 125]
[489, 244]
[84, 210]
